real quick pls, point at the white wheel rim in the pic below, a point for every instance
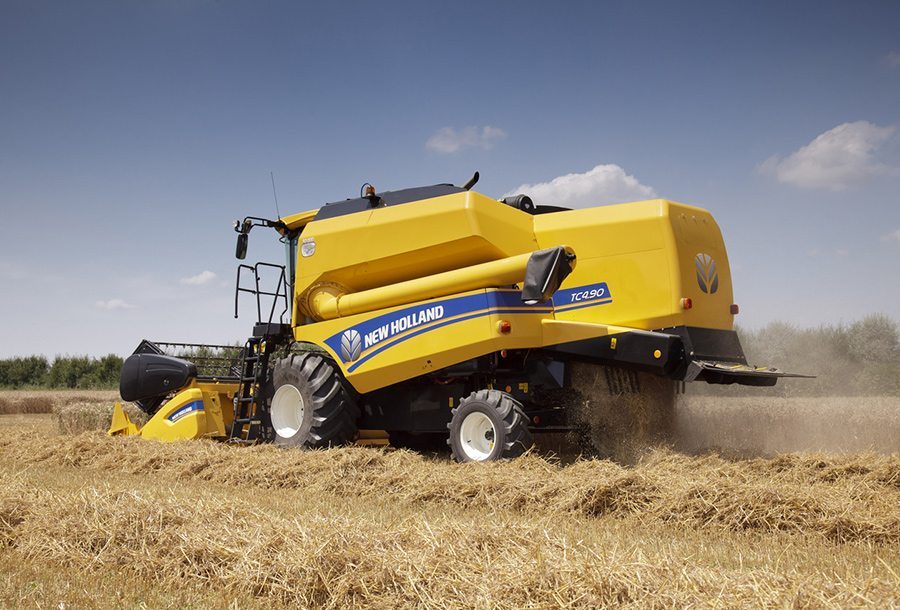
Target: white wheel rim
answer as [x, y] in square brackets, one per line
[477, 436]
[287, 411]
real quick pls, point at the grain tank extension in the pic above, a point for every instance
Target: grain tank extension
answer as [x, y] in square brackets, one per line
[438, 314]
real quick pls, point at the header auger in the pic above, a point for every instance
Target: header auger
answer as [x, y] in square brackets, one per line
[437, 314]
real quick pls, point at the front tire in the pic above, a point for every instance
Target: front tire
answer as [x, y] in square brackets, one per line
[310, 407]
[488, 425]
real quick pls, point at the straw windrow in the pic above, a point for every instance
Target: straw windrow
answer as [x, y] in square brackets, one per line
[85, 517]
[345, 561]
[842, 499]
[82, 416]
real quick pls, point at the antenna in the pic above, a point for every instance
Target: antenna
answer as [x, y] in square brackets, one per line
[275, 194]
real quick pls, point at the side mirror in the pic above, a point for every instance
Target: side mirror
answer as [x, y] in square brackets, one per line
[545, 272]
[241, 250]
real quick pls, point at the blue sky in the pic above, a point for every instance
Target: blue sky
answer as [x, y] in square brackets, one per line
[133, 133]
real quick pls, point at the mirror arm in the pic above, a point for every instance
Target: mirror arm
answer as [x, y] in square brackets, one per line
[255, 221]
[243, 230]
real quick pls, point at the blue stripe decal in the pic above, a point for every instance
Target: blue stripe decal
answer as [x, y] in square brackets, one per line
[371, 337]
[356, 364]
[479, 314]
[187, 409]
[371, 332]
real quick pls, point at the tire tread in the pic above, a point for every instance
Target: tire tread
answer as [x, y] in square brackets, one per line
[334, 413]
[517, 436]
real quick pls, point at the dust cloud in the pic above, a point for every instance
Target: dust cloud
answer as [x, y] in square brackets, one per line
[763, 426]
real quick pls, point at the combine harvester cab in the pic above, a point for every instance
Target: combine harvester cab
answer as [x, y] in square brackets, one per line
[440, 315]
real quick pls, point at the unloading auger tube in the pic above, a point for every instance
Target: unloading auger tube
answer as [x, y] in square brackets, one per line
[437, 315]
[328, 301]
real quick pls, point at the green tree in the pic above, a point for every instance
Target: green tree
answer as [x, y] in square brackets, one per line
[23, 371]
[69, 372]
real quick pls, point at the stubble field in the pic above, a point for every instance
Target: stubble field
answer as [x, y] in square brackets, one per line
[91, 521]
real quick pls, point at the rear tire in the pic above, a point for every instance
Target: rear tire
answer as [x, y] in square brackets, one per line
[488, 425]
[310, 407]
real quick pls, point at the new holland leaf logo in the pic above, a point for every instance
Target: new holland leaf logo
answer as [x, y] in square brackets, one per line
[351, 345]
[707, 276]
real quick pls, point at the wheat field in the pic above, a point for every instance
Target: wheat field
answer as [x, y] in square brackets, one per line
[43, 401]
[92, 521]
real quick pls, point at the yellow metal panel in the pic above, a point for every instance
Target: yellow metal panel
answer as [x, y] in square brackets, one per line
[217, 399]
[606, 230]
[121, 424]
[183, 417]
[398, 243]
[639, 284]
[202, 409]
[695, 233]
[644, 252]
[563, 331]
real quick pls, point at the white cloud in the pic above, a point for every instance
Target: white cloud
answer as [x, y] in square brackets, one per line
[893, 59]
[448, 140]
[204, 277]
[894, 237]
[835, 159]
[600, 185]
[114, 304]
[842, 251]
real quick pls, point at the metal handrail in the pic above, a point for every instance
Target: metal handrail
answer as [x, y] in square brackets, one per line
[280, 291]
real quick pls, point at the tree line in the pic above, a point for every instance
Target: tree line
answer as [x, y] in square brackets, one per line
[82, 372]
[856, 359]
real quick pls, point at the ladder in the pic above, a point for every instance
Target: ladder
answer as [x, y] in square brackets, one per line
[251, 422]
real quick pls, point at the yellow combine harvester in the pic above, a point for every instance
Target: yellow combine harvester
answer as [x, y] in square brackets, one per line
[437, 313]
